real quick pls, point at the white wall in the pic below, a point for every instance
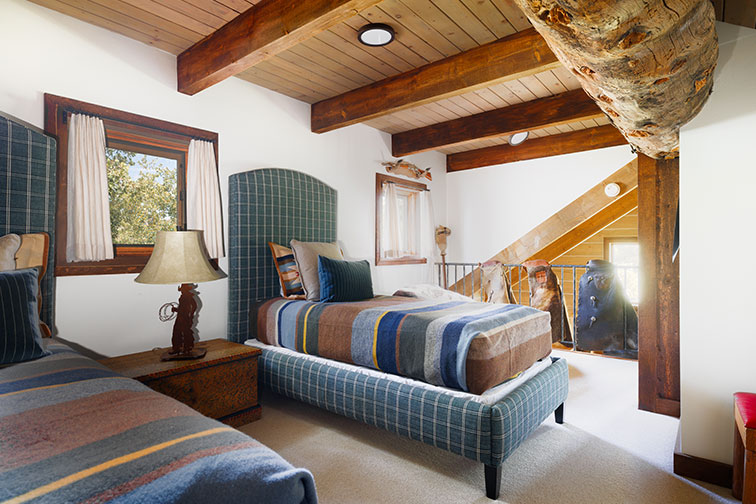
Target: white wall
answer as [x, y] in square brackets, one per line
[717, 210]
[44, 51]
[490, 208]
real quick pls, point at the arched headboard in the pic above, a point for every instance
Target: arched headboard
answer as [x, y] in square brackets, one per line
[270, 204]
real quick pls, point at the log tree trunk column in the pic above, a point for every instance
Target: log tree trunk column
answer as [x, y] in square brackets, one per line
[647, 63]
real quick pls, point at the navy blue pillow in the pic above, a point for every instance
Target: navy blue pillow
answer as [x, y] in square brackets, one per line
[20, 337]
[344, 280]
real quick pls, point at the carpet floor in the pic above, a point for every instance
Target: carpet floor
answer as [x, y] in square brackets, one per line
[607, 451]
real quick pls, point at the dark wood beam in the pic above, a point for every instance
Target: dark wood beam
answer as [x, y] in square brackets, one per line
[262, 31]
[512, 57]
[553, 145]
[659, 308]
[528, 116]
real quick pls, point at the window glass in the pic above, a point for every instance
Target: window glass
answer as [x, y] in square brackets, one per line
[143, 196]
[398, 224]
[626, 259]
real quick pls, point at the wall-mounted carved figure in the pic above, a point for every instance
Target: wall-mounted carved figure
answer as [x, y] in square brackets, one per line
[606, 320]
[546, 295]
[495, 283]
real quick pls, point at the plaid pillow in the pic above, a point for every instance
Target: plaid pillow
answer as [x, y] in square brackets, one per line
[288, 273]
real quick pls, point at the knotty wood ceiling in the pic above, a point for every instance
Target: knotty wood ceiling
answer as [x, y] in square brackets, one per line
[334, 62]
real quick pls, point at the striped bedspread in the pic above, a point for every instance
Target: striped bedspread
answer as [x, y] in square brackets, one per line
[457, 344]
[73, 431]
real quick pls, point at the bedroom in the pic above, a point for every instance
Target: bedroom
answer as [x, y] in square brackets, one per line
[49, 52]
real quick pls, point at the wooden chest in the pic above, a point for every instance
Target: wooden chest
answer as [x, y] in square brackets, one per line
[222, 385]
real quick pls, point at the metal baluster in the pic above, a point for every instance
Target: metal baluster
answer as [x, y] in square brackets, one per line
[574, 311]
[456, 278]
[439, 274]
[519, 284]
[561, 288]
[464, 280]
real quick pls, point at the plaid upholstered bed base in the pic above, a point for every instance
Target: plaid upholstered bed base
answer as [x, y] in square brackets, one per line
[485, 433]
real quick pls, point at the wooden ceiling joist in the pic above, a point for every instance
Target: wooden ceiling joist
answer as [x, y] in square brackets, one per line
[563, 108]
[553, 145]
[512, 57]
[259, 33]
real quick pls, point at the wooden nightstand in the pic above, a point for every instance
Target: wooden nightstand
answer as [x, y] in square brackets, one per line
[222, 385]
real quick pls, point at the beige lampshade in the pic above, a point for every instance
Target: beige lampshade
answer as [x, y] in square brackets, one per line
[179, 257]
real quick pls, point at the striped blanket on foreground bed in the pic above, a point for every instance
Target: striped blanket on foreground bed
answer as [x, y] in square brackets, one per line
[457, 344]
[73, 431]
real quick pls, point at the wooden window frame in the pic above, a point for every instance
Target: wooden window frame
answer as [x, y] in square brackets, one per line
[615, 239]
[380, 179]
[167, 137]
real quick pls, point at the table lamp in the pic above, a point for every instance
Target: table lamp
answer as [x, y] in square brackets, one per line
[180, 257]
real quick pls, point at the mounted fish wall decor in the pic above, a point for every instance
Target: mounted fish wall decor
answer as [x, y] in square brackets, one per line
[406, 169]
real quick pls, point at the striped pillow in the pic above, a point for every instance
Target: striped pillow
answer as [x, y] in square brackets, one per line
[344, 280]
[288, 273]
[20, 337]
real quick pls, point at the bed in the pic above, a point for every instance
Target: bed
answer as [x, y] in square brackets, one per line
[72, 430]
[279, 205]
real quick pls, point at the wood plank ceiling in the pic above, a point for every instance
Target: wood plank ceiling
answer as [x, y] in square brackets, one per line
[333, 62]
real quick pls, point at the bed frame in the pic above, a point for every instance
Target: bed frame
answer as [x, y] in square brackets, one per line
[279, 205]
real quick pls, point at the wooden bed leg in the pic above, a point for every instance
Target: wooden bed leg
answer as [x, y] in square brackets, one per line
[493, 481]
[559, 414]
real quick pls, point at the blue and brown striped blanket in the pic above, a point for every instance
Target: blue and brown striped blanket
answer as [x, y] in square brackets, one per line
[457, 344]
[71, 430]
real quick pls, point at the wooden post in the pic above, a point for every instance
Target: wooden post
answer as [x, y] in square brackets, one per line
[659, 310]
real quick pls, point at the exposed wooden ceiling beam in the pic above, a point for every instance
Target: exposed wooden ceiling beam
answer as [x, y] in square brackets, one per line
[741, 12]
[553, 145]
[262, 31]
[512, 57]
[541, 113]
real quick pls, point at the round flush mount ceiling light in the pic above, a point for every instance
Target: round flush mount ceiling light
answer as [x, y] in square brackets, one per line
[612, 189]
[518, 138]
[376, 34]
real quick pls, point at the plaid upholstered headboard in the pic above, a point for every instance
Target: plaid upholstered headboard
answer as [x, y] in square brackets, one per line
[271, 204]
[27, 194]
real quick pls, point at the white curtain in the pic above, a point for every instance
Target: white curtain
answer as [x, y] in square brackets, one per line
[428, 248]
[203, 203]
[88, 237]
[390, 241]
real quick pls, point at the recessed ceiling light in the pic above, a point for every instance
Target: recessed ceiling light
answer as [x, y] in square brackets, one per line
[612, 189]
[518, 138]
[376, 34]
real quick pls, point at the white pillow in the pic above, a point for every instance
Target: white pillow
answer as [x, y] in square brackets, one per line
[306, 256]
[9, 245]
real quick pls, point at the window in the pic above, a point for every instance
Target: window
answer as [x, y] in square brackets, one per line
[624, 254]
[146, 168]
[397, 223]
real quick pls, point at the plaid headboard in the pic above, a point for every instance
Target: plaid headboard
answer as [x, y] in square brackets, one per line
[271, 204]
[27, 194]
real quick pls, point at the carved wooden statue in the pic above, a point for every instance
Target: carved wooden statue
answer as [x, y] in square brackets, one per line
[647, 63]
[546, 295]
[495, 283]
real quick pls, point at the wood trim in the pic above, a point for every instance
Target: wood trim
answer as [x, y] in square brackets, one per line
[380, 178]
[608, 240]
[552, 145]
[259, 33]
[57, 110]
[518, 55]
[710, 471]
[659, 307]
[563, 108]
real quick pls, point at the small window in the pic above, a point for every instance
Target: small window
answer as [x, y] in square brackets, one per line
[624, 253]
[146, 167]
[397, 222]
